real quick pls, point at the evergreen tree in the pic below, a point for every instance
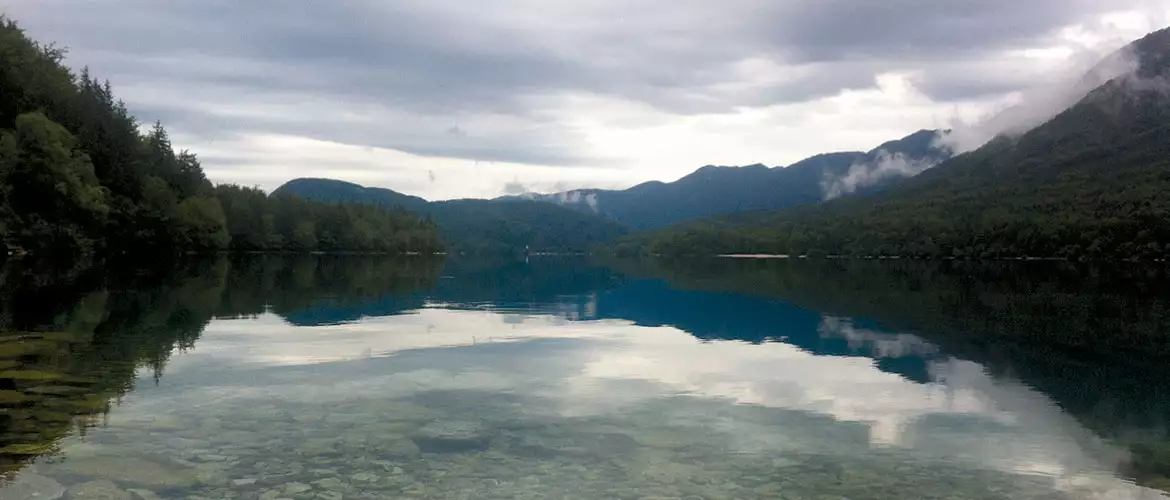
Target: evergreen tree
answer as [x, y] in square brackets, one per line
[77, 176]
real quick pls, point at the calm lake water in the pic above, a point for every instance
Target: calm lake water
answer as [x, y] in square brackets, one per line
[336, 378]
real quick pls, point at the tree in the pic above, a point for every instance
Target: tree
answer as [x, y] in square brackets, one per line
[201, 224]
[53, 197]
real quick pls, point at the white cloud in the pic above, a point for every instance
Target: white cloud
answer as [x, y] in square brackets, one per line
[865, 174]
[578, 93]
[589, 368]
[1083, 69]
[269, 160]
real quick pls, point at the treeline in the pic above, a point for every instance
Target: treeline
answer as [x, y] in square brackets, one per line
[1110, 208]
[1011, 200]
[471, 226]
[503, 227]
[78, 177]
[887, 236]
[258, 222]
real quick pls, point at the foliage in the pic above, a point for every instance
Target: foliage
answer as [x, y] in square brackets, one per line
[476, 226]
[51, 195]
[507, 226]
[77, 177]
[714, 190]
[335, 191]
[258, 222]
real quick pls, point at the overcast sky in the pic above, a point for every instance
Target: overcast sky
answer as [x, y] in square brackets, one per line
[450, 98]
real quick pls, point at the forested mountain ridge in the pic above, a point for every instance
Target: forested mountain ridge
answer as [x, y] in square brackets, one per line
[475, 225]
[1089, 183]
[336, 191]
[714, 190]
[577, 220]
[77, 177]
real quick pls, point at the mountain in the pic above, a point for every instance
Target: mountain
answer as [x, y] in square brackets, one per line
[1089, 183]
[335, 191]
[482, 226]
[715, 190]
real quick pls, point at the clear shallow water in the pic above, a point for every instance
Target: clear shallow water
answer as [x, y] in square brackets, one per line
[356, 380]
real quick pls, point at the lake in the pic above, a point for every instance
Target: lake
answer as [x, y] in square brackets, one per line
[318, 377]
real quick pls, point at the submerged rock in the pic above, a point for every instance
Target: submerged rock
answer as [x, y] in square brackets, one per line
[100, 489]
[405, 411]
[542, 445]
[56, 390]
[28, 448]
[134, 471]
[13, 397]
[329, 483]
[31, 375]
[294, 488]
[364, 477]
[141, 494]
[399, 449]
[27, 347]
[211, 476]
[30, 486]
[451, 436]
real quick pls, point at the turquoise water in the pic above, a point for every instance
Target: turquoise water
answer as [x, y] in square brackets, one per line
[334, 379]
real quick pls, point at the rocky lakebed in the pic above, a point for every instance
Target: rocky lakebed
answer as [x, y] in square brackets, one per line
[401, 449]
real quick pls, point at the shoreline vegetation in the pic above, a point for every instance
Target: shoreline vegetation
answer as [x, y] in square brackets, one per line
[80, 176]
[764, 256]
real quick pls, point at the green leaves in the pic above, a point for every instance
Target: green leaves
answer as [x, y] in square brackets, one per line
[200, 224]
[258, 222]
[77, 175]
[52, 195]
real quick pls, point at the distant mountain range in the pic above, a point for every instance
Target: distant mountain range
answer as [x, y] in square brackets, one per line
[481, 226]
[577, 220]
[715, 190]
[1092, 183]
[1088, 183]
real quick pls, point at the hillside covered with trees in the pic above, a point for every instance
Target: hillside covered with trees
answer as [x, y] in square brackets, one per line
[715, 190]
[77, 176]
[1090, 183]
[473, 225]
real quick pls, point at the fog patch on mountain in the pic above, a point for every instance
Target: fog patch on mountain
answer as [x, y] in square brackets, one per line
[1037, 105]
[865, 174]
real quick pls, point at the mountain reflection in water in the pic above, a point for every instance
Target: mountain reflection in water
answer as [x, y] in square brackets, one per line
[332, 377]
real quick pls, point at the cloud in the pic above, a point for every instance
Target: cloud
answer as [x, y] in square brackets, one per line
[1041, 102]
[577, 197]
[515, 188]
[652, 89]
[865, 174]
[571, 371]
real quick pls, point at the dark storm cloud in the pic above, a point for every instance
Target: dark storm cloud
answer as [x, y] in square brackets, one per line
[418, 67]
[895, 29]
